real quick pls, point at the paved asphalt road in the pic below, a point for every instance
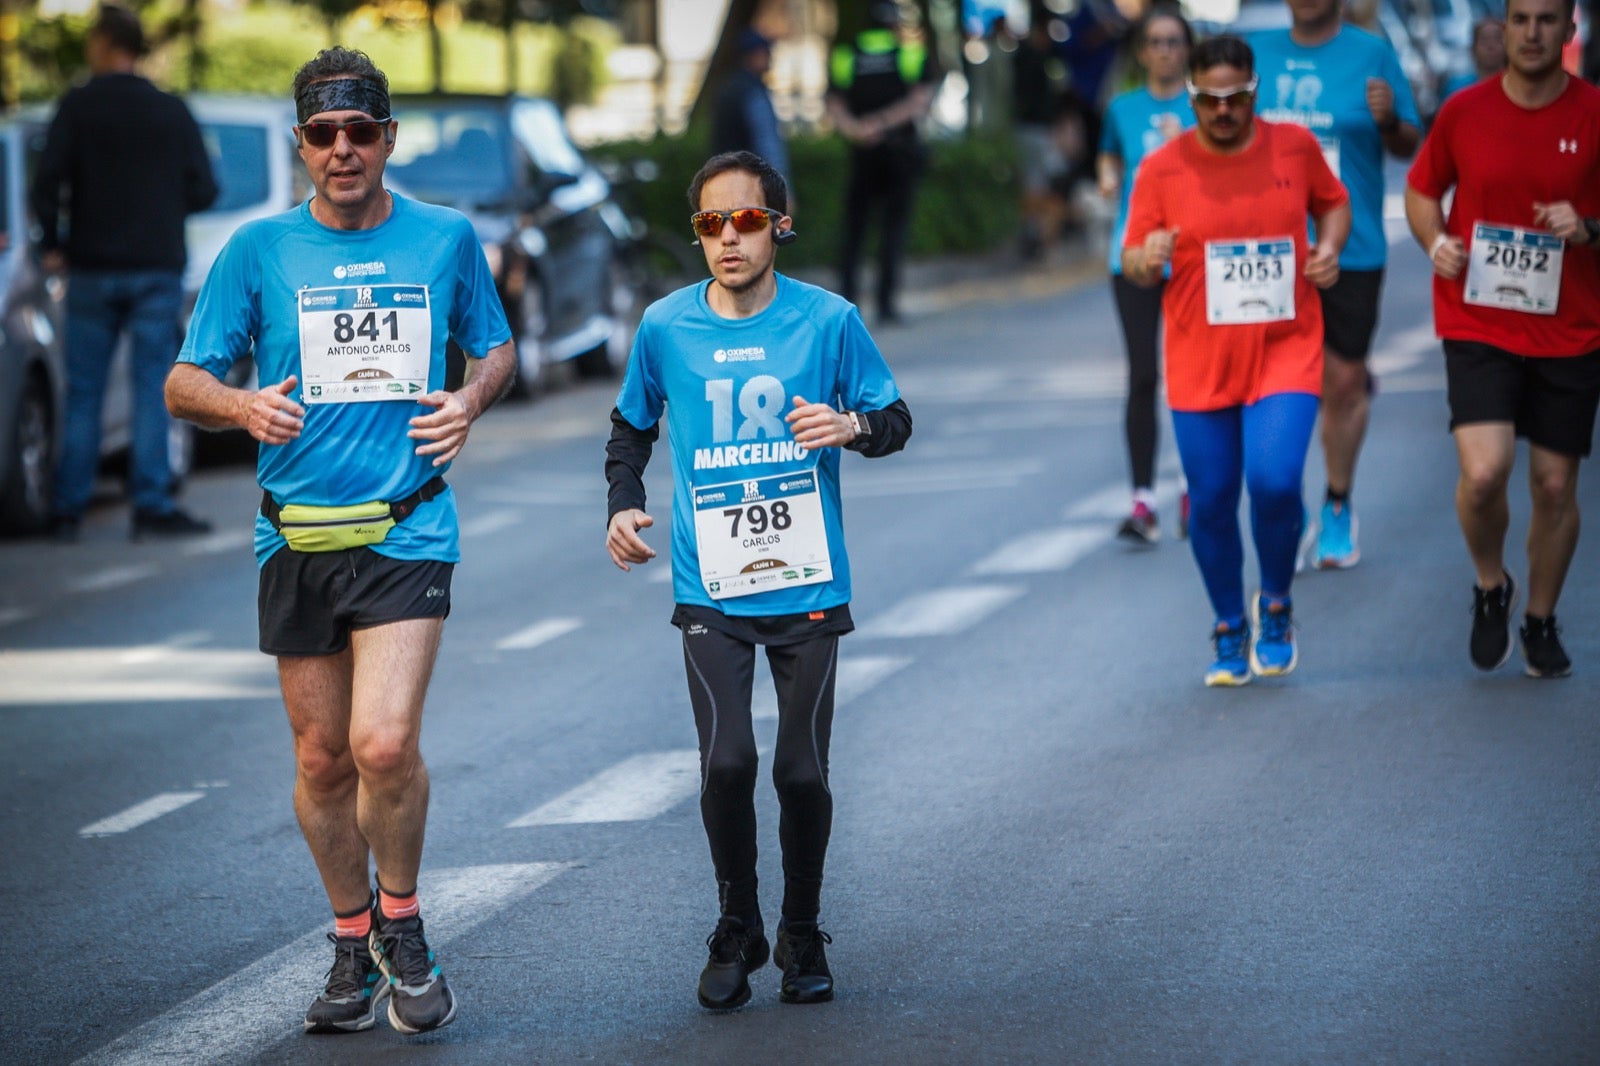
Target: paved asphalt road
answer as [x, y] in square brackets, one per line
[1052, 843]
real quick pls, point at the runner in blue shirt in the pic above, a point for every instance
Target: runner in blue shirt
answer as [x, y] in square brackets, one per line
[761, 380]
[346, 304]
[1136, 124]
[1344, 85]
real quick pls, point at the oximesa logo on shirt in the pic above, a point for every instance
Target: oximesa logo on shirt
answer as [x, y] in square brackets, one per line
[360, 270]
[739, 355]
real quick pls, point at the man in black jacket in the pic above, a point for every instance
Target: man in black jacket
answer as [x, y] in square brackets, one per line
[125, 163]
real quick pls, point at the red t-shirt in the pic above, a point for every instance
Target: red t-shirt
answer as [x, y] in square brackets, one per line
[1502, 159]
[1268, 190]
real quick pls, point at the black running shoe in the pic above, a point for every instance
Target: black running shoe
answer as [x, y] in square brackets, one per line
[173, 523]
[1541, 648]
[1491, 624]
[735, 953]
[350, 1001]
[799, 954]
[419, 997]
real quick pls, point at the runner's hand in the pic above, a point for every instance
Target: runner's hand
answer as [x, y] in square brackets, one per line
[623, 540]
[1322, 266]
[1450, 258]
[271, 417]
[445, 429]
[1380, 100]
[816, 425]
[1563, 220]
[1158, 244]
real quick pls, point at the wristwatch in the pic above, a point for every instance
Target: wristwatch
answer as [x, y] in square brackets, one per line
[862, 426]
[1591, 229]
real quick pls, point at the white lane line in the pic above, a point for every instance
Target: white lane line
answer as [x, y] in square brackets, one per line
[112, 578]
[139, 674]
[539, 633]
[493, 522]
[1044, 551]
[634, 790]
[139, 814]
[217, 543]
[938, 478]
[660, 573]
[242, 1017]
[857, 674]
[942, 611]
[12, 615]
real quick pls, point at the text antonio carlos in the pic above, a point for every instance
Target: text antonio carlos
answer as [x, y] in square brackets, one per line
[762, 379]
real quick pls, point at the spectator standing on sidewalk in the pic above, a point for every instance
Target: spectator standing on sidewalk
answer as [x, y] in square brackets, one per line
[878, 88]
[744, 119]
[123, 165]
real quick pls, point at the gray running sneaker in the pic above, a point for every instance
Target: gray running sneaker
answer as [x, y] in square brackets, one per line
[419, 998]
[350, 1001]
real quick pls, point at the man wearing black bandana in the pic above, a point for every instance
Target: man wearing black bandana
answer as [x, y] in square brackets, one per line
[346, 304]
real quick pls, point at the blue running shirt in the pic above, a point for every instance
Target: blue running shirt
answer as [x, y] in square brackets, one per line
[725, 386]
[280, 273]
[1324, 89]
[1136, 124]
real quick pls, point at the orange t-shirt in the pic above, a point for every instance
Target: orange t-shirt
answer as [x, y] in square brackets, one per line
[1271, 189]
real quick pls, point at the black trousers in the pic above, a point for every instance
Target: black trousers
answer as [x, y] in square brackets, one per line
[883, 181]
[1139, 308]
[721, 671]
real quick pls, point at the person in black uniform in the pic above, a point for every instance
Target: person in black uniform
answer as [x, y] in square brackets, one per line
[123, 164]
[878, 88]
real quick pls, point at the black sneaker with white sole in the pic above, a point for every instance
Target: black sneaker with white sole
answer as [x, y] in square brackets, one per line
[1491, 624]
[349, 1003]
[1541, 648]
[419, 997]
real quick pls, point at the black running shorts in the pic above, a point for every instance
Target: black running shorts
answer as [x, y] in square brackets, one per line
[1551, 401]
[310, 601]
[1350, 313]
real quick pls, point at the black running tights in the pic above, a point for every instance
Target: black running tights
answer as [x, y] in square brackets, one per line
[721, 671]
[1140, 311]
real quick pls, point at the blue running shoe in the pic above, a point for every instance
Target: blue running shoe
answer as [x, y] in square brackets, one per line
[1273, 653]
[1231, 667]
[1336, 538]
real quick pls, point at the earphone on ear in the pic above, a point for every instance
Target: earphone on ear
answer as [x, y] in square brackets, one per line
[785, 236]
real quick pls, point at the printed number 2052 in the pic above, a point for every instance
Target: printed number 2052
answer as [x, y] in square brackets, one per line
[1511, 257]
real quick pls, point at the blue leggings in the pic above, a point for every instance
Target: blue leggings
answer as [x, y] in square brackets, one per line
[1266, 442]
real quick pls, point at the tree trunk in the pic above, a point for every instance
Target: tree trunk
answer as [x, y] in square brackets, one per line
[435, 46]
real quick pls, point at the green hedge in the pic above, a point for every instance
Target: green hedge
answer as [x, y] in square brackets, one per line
[967, 201]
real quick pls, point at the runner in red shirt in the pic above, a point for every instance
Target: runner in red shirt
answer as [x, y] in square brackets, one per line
[1516, 298]
[1227, 205]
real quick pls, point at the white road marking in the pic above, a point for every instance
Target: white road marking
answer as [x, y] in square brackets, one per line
[13, 615]
[941, 612]
[493, 522]
[217, 543]
[857, 674]
[634, 790]
[140, 674]
[940, 477]
[661, 572]
[140, 813]
[1044, 551]
[539, 633]
[241, 1017]
[112, 578]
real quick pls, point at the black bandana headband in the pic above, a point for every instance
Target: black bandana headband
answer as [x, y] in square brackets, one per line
[342, 94]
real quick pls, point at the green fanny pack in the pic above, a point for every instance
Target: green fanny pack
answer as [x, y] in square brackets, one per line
[307, 528]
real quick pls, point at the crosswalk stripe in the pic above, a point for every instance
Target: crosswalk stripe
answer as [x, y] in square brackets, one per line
[113, 577]
[1043, 551]
[857, 674]
[217, 543]
[240, 1017]
[634, 790]
[139, 674]
[538, 633]
[492, 522]
[140, 813]
[941, 612]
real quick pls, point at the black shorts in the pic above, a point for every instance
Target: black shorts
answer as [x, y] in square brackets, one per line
[1350, 313]
[310, 601]
[1550, 401]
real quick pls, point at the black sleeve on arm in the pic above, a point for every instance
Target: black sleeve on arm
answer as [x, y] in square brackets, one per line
[891, 428]
[45, 194]
[627, 454]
